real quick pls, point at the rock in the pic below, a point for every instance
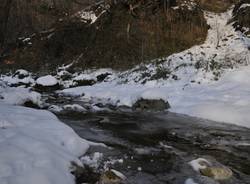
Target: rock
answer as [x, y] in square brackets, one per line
[47, 84]
[74, 108]
[102, 77]
[21, 74]
[31, 104]
[83, 83]
[217, 173]
[64, 75]
[199, 164]
[111, 177]
[55, 109]
[152, 105]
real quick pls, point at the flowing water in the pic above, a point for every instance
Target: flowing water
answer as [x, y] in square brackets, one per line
[155, 148]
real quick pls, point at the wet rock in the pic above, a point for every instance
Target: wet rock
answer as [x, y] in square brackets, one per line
[111, 177]
[217, 173]
[102, 77]
[83, 82]
[41, 88]
[151, 105]
[31, 104]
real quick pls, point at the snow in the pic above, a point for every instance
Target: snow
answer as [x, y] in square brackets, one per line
[74, 107]
[12, 80]
[244, 5]
[199, 163]
[55, 108]
[92, 161]
[199, 92]
[19, 95]
[88, 15]
[36, 147]
[226, 100]
[119, 174]
[47, 80]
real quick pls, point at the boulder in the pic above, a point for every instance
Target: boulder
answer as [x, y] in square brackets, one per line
[217, 173]
[151, 105]
[47, 83]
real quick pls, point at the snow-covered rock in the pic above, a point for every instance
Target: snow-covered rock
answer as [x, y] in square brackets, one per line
[199, 164]
[19, 96]
[74, 108]
[19, 78]
[47, 80]
[21, 73]
[46, 84]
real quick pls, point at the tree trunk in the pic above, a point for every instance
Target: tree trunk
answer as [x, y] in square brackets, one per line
[4, 16]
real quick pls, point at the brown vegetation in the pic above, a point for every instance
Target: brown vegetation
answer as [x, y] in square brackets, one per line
[131, 32]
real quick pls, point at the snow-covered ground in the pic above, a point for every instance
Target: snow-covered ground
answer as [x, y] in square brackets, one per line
[19, 95]
[35, 146]
[218, 89]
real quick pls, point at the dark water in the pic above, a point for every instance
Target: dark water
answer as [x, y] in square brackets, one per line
[155, 148]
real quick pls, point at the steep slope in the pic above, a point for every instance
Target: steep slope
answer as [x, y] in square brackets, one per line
[22, 18]
[126, 33]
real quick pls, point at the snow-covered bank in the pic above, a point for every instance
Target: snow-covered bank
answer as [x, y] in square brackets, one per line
[19, 95]
[226, 100]
[208, 81]
[36, 147]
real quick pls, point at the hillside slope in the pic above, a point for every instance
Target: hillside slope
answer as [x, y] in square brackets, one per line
[126, 33]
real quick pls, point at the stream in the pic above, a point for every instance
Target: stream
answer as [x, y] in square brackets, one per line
[156, 148]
